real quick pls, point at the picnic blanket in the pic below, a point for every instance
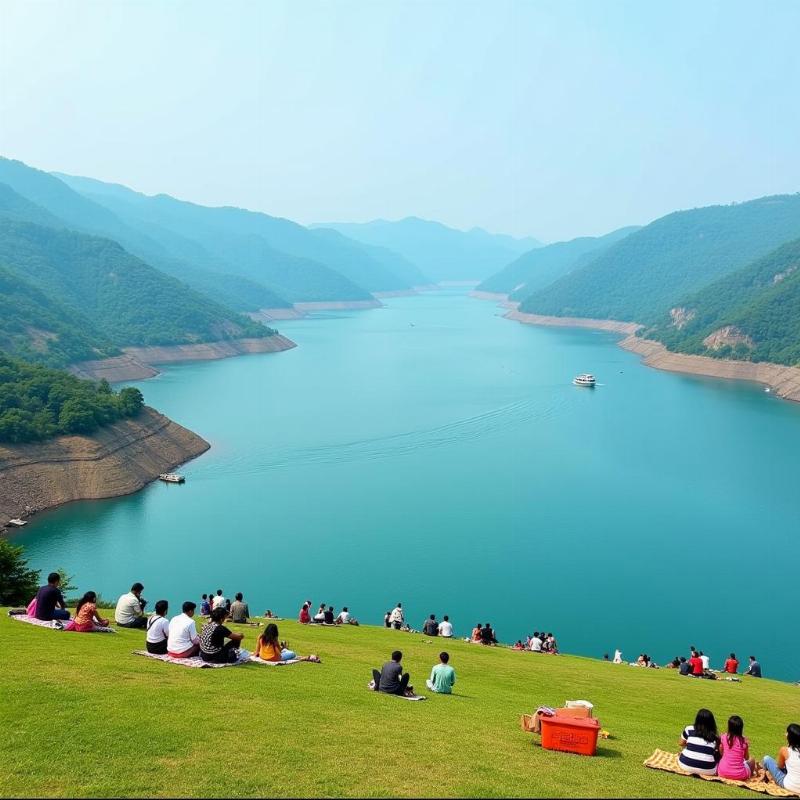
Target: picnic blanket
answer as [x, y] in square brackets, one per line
[669, 763]
[371, 687]
[196, 662]
[54, 624]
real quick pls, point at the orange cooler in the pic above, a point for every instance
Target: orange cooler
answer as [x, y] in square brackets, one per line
[570, 735]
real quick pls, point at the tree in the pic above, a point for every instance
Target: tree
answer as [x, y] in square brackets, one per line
[18, 584]
[131, 401]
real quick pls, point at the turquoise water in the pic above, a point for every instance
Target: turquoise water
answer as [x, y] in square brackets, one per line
[434, 453]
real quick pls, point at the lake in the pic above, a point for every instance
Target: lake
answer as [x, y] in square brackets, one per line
[434, 453]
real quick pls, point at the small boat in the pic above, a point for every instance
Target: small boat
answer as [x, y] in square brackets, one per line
[584, 380]
[171, 477]
[18, 523]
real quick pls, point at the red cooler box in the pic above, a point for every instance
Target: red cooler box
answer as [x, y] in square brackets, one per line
[570, 735]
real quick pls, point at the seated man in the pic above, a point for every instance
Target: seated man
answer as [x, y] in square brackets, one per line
[183, 641]
[391, 679]
[431, 627]
[239, 610]
[753, 668]
[344, 617]
[443, 676]
[49, 600]
[446, 628]
[218, 600]
[684, 667]
[130, 608]
[328, 616]
[536, 645]
[487, 635]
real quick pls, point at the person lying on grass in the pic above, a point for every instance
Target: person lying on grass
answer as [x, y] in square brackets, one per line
[158, 630]
[700, 744]
[391, 679]
[86, 616]
[269, 647]
[443, 676]
[785, 769]
[213, 647]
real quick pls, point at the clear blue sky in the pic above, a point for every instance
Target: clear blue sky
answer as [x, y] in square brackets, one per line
[547, 118]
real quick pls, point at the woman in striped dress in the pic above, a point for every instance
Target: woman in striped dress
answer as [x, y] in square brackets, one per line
[700, 743]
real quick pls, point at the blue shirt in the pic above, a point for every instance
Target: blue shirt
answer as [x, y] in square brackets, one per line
[443, 676]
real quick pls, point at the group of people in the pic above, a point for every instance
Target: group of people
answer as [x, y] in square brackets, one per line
[483, 634]
[706, 752]
[325, 615]
[238, 610]
[538, 643]
[697, 665]
[391, 679]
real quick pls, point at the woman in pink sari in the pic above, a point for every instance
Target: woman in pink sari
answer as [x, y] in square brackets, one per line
[86, 615]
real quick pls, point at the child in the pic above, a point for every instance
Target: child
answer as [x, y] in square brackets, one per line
[735, 763]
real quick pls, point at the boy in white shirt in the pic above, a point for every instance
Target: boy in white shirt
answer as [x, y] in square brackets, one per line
[183, 641]
[445, 627]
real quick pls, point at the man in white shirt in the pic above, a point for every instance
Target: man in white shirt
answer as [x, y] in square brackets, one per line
[344, 616]
[536, 643]
[218, 600]
[396, 617]
[130, 608]
[706, 661]
[183, 641]
[445, 627]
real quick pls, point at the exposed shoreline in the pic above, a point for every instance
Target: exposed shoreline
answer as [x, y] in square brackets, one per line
[138, 363]
[117, 460]
[782, 380]
[338, 305]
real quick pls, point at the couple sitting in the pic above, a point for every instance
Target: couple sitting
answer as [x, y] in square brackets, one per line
[49, 605]
[179, 637]
[392, 680]
[483, 634]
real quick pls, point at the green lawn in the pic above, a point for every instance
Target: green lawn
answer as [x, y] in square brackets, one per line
[82, 716]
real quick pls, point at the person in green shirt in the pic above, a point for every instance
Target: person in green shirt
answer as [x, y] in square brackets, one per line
[443, 676]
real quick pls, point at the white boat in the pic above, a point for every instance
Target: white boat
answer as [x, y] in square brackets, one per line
[584, 380]
[17, 523]
[171, 477]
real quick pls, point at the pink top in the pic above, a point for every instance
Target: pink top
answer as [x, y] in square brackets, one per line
[732, 764]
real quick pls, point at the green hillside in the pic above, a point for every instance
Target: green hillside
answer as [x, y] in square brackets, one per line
[653, 268]
[126, 300]
[755, 313]
[540, 267]
[298, 263]
[142, 728]
[37, 403]
[443, 253]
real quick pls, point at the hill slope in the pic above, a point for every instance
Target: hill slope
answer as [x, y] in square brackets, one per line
[539, 267]
[125, 299]
[753, 314]
[388, 747]
[443, 253]
[650, 270]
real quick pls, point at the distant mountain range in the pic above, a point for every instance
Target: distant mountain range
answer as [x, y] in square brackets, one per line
[443, 253]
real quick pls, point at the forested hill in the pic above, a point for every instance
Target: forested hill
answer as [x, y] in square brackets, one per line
[125, 300]
[752, 314]
[443, 253]
[650, 270]
[541, 266]
[301, 264]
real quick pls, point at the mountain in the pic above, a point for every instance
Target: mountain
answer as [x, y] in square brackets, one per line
[647, 272]
[445, 254]
[540, 267]
[298, 263]
[752, 314]
[127, 301]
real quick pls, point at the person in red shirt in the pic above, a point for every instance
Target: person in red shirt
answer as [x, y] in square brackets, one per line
[305, 617]
[696, 664]
[731, 664]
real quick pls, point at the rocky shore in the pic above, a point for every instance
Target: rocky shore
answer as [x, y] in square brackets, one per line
[119, 459]
[137, 363]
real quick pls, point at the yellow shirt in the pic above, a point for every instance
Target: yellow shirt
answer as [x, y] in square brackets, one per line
[268, 652]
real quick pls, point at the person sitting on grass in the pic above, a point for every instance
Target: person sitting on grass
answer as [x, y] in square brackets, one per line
[205, 606]
[86, 616]
[785, 769]
[536, 642]
[431, 626]
[329, 616]
[305, 615]
[731, 664]
[519, 646]
[487, 635]
[50, 603]
[346, 618]
[700, 744]
[391, 679]
[158, 630]
[130, 608]
[476, 633]
[213, 647]
[684, 667]
[183, 641]
[218, 600]
[269, 647]
[753, 668]
[674, 664]
[446, 628]
[696, 664]
[735, 764]
[239, 610]
[443, 676]
[269, 615]
[319, 617]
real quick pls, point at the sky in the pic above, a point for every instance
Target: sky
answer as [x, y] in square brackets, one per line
[550, 119]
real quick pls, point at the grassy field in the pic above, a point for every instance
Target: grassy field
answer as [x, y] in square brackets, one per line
[82, 716]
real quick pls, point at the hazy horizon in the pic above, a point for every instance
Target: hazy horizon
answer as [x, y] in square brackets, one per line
[542, 119]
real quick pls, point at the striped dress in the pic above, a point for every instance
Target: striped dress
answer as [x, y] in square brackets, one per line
[698, 756]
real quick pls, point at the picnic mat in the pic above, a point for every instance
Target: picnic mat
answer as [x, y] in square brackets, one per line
[45, 623]
[371, 688]
[198, 662]
[669, 763]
